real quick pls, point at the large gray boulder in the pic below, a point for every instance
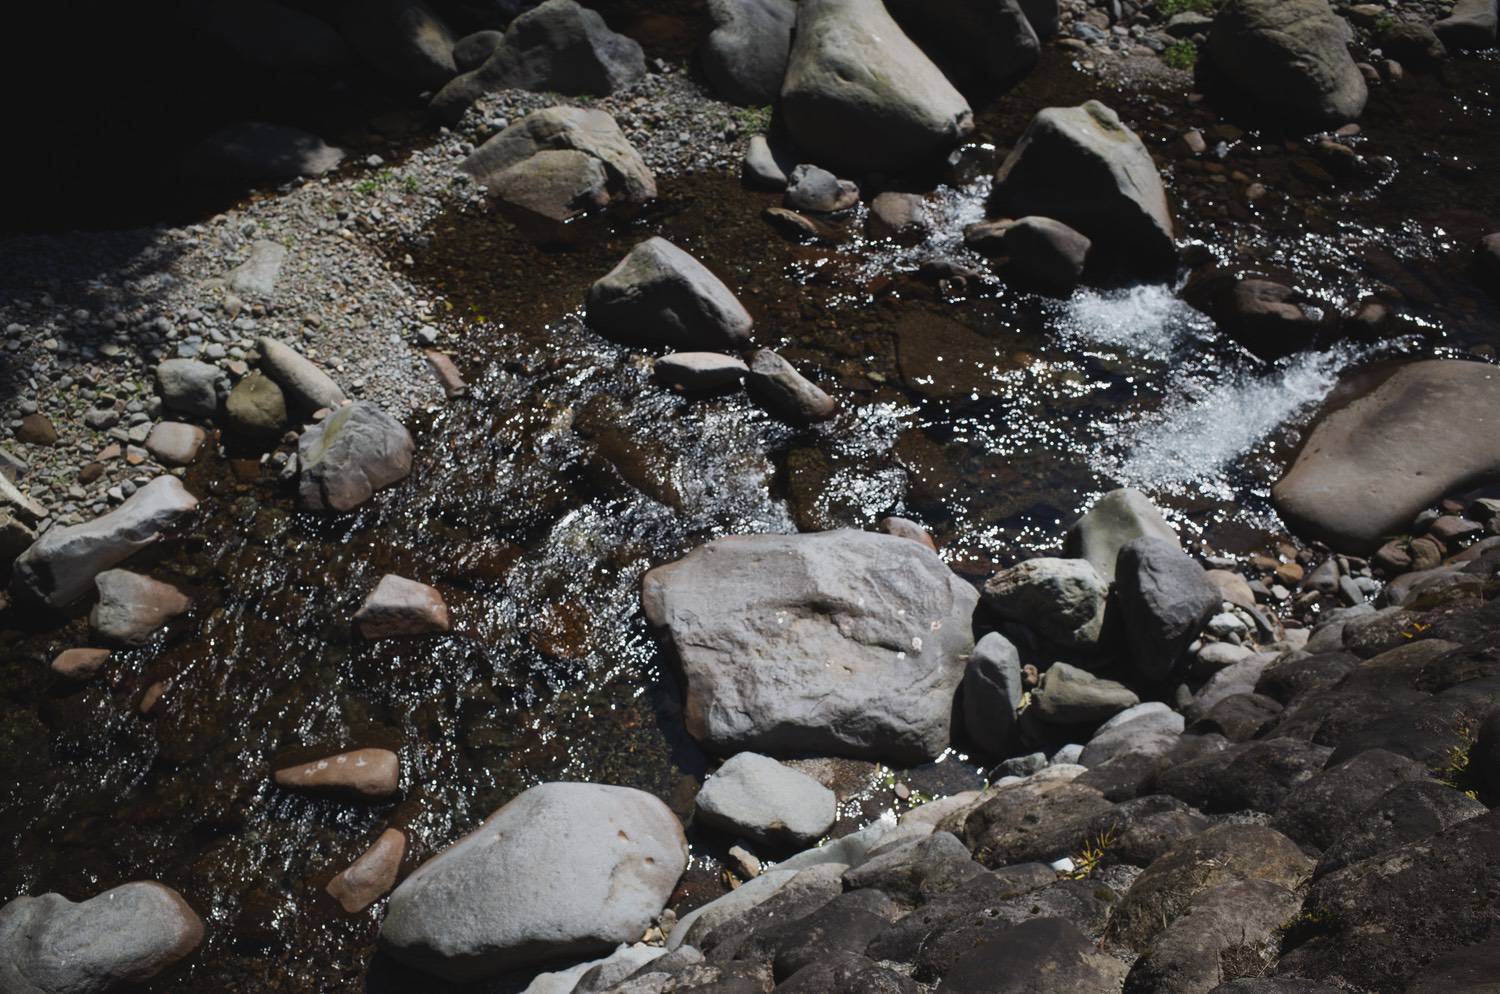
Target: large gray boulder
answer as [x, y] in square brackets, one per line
[991, 693]
[1166, 599]
[563, 870]
[1290, 58]
[1145, 729]
[1083, 167]
[189, 386]
[660, 295]
[1117, 518]
[522, 164]
[349, 455]
[1061, 600]
[745, 55]
[843, 643]
[50, 945]
[306, 386]
[1470, 24]
[403, 39]
[973, 40]
[60, 567]
[1369, 467]
[860, 96]
[559, 47]
[757, 798]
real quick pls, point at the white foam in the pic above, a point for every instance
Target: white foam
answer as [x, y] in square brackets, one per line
[1147, 320]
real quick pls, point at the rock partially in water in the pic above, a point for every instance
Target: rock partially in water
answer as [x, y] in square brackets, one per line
[975, 41]
[786, 393]
[860, 96]
[991, 692]
[756, 798]
[132, 607]
[189, 386]
[812, 189]
[79, 664]
[1045, 254]
[256, 409]
[61, 565]
[370, 877]
[767, 163]
[1368, 468]
[565, 869]
[1061, 600]
[1118, 517]
[1264, 316]
[1083, 167]
[1068, 695]
[700, 371]
[1166, 599]
[837, 643]
[175, 444]
[307, 387]
[1471, 24]
[901, 217]
[403, 39]
[558, 47]
[261, 153]
[660, 295]
[745, 56]
[398, 606]
[127, 935]
[904, 528]
[361, 775]
[1290, 58]
[349, 455]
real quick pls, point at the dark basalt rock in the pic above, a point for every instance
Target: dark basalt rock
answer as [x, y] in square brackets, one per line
[1406, 813]
[1322, 808]
[1046, 947]
[1252, 776]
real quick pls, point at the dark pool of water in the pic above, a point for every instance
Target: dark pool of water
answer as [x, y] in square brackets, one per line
[537, 503]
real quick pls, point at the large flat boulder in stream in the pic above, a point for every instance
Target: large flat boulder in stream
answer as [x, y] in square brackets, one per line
[660, 295]
[349, 455]
[564, 870]
[1083, 167]
[837, 643]
[1368, 468]
[860, 96]
[60, 566]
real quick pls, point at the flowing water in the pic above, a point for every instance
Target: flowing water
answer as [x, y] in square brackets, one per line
[538, 502]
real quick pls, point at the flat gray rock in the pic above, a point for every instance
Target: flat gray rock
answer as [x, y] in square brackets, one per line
[837, 643]
[174, 443]
[1116, 518]
[700, 370]
[592, 133]
[189, 386]
[661, 295]
[257, 275]
[132, 607]
[757, 798]
[563, 870]
[1068, 695]
[349, 455]
[61, 565]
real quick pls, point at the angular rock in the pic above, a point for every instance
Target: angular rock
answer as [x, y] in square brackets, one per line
[1166, 600]
[253, 152]
[819, 191]
[1045, 254]
[564, 869]
[1146, 728]
[61, 565]
[189, 386]
[991, 692]
[1471, 24]
[1018, 957]
[1238, 717]
[1228, 931]
[306, 386]
[591, 133]
[372, 876]
[745, 55]
[660, 295]
[918, 870]
[1081, 166]
[838, 643]
[257, 275]
[1290, 57]
[759, 799]
[127, 935]
[349, 455]
[786, 393]
[1034, 820]
[1408, 812]
[557, 47]
[132, 607]
[1068, 695]
[256, 409]
[988, 41]
[174, 443]
[403, 39]
[1062, 600]
[398, 606]
[1352, 484]
[79, 664]
[362, 775]
[1249, 776]
[860, 96]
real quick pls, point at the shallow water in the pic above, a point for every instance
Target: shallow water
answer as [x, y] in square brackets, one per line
[537, 503]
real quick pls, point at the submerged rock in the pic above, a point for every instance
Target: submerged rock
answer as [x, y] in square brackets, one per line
[1290, 57]
[349, 455]
[79, 664]
[838, 643]
[746, 53]
[563, 870]
[372, 876]
[132, 607]
[759, 799]
[660, 295]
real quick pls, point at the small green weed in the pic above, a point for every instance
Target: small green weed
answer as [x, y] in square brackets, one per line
[1088, 858]
[753, 119]
[1455, 771]
[1181, 55]
[1171, 8]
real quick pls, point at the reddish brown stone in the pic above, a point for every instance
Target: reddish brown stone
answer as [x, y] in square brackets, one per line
[36, 429]
[364, 774]
[91, 472]
[151, 699]
[372, 876]
[903, 528]
[448, 376]
[398, 606]
[79, 664]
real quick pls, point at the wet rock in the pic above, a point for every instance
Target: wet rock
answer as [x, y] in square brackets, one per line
[1224, 854]
[564, 869]
[766, 165]
[786, 393]
[660, 295]
[745, 55]
[257, 275]
[991, 692]
[256, 409]
[1249, 776]
[1117, 518]
[744, 607]
[1291, 57]
[50, 945]
[1061, 600]
[1068, 695]
[1321, 809]
[1081, 166]
[1166, 600]
[558, 47]
[1264, 317]
[860, 96]
[901, 217]
[372, 876]
[1043, 947]
[757, 798]
[262, 153]
[1145, 728]
[539, 164]
[990, 41]
[61, 565]
[904, 528]
[132, 607]
[1045, 254]
[398, 606]
[306, 386]
[79, 664]
[1228, 931]
[471, 51]
[403, 39]
[700, 371]
[446, 372]
[1352, 485]
[349, 455]
[189, 386]
[1471, 24]
[799, 227]
[818, 190]
[362, 775]
[174, 443]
